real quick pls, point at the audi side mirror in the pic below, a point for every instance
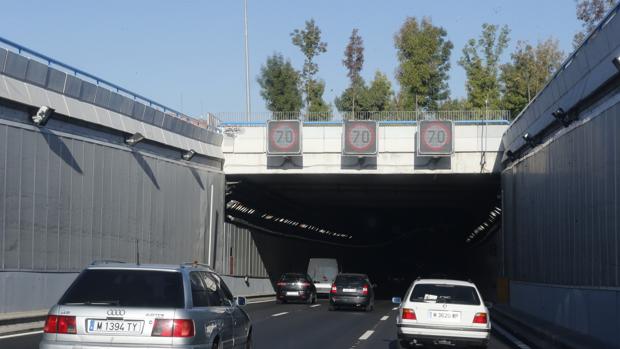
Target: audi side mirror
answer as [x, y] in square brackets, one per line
[240, 301]
[397, 300]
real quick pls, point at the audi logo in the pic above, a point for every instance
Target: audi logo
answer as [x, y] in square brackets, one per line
[116, 312]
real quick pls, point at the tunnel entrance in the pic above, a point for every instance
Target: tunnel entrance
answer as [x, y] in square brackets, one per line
[392, 227]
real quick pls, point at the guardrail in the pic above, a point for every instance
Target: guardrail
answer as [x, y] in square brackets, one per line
[209, 121]
[386, 117]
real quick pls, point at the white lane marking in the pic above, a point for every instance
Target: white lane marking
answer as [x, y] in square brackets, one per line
[510, 337]
[263, 301]
[314, 306]
[280, 314]
[396, 308]
[20, 334]
[385, 318]
[366, 335]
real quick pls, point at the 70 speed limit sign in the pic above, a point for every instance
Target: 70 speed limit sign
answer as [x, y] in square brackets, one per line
[284, 137]
[435, 138]
[360, 138]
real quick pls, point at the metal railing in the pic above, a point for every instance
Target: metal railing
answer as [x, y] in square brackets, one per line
[209, 121]
[387, 117]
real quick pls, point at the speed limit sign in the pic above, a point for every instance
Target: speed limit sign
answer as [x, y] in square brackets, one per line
[435, 138]
[360, 138]
[284, 137]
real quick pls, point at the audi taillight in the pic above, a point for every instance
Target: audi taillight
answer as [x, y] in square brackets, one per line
[334, 288]
[173, 328]
[51, 324]
[409, 314]
[481, 318]
[304, 284]
[60, 324]
[280, 283]
[365, 290]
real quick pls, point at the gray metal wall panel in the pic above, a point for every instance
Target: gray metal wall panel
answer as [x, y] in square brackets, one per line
[36, 73]
[68, 201]
[102, 97]
[88, 92]
[16, 66]
[56, 80]
[561, 206]
[73, 86]
[3, 53]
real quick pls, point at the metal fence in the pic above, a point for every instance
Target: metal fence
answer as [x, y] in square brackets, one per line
[240, 118]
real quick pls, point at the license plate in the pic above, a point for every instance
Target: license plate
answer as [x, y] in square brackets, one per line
[114, 326]
[292, 293]
[349, 290]
[445, 316]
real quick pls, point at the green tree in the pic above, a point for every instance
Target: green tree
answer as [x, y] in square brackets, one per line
[279, 83]
[457, 104]
[316, 104]
[352, 98]
[376, 97]
[379, 94]
[590, 13]
[481, 63]
[528, 72]
[309, 42]
[424, 57]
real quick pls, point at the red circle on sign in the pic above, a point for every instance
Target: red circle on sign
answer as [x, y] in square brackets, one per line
[284, 137]
[439, 125]
[355, 136]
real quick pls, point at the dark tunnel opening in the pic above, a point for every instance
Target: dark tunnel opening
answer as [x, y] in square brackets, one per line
[392, 227]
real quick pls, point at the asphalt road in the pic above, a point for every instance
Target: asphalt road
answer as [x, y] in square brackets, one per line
[303, 326]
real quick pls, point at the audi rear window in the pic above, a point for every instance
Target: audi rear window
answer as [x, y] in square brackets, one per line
[128, 288]
[442, 293]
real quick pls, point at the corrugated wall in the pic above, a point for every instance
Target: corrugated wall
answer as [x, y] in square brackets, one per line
[237, 254]
[561, 231]
[561, 207]
[67, 199]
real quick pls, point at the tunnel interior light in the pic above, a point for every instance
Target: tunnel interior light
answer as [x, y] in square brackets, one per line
[617, 62]
[42, 115]
[529, 139]
[134, 139]
[493, 218]
[188, 155]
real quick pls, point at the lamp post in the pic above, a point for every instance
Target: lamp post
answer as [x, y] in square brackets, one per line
[247, 62]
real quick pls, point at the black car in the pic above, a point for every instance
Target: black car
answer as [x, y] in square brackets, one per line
[352, 291]
[295, 287]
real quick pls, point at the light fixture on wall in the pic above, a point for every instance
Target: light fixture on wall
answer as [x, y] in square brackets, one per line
[134, 139]
[188, 155]
[529, 139]
[562, 116]
[42, 115]
[616, 62]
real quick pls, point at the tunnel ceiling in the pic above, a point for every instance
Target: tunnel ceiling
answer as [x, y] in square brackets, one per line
[368, 208]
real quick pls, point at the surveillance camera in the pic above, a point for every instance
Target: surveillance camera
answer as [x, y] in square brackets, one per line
[42, 115]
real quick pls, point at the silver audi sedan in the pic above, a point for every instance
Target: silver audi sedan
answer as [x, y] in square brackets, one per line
[120, 305]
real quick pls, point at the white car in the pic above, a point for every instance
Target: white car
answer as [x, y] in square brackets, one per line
[448, 312]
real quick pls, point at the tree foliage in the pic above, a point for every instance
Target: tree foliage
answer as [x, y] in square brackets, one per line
[590, 13]
[424, 57]
[279, 83]
[309, 42]
[528, 72]
[481, 63]
[354, 57]
[376, 97]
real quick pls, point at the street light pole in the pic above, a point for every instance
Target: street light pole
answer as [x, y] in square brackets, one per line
[247, 62]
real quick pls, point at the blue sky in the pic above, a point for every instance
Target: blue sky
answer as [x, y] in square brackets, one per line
[189, 54]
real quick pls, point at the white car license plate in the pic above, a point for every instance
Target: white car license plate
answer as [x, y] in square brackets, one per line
[292, 293]
[445, 316]
[114, 326]
[349, 290]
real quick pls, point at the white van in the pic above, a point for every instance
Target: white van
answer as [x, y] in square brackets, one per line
[323, 272]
